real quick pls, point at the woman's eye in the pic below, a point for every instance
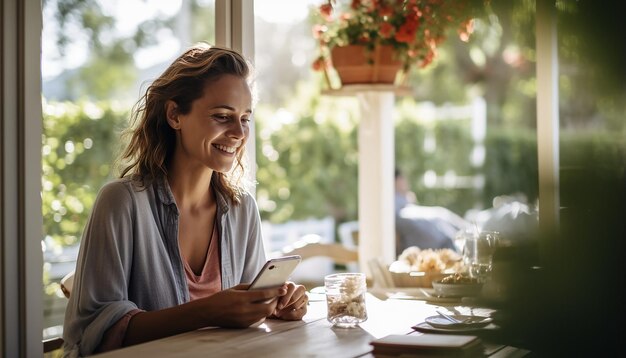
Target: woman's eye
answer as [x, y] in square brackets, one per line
[221, 117]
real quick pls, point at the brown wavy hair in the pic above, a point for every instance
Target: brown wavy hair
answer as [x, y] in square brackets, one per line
[151, 141]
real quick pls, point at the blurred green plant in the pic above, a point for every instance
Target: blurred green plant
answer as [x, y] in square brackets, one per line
[307, 157]
[307, 160]
[109, 70]
[79, 144]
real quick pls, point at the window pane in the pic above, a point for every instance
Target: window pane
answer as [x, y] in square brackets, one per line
[591, 96]
[465, 124]
[97, 56]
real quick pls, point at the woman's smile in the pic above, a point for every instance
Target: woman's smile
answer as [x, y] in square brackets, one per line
[225, 149]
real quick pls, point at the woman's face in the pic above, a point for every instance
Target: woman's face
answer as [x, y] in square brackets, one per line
[217, 127]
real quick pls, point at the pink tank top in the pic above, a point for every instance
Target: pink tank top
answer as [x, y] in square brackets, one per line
[210, 279]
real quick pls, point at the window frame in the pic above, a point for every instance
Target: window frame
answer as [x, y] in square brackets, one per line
[21, 221]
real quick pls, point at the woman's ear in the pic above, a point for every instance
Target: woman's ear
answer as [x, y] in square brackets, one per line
[171, 112]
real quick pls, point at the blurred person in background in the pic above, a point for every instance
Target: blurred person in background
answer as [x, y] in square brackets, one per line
[427, 227]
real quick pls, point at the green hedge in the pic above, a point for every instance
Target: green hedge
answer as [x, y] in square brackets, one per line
[79, 144]
[308, 164]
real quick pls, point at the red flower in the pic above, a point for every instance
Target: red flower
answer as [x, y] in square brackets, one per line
[318, 30]
[466, 29]
[327, 11]
[414, 12]
[319, 64]
[428, 59]
[386, 11]
[405, 34]
[364, 38]
[385, 30]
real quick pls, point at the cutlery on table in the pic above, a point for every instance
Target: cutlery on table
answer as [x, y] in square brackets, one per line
[453, 319]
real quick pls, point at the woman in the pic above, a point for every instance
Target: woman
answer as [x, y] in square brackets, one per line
[168, 245]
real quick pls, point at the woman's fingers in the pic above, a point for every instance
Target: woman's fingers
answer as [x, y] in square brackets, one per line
[258, 295]
[295, 311]
[296, 292]
[295, 308]
[285, 300]
[299, 303]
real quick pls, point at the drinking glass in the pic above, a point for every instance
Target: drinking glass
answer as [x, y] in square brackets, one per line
[345, 296]
[460, 238]
[478, 253]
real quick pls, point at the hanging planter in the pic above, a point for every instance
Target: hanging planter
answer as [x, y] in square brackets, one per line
[356, 65]
[365, 41]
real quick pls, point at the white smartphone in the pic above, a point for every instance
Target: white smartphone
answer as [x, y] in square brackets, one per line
[275, 272]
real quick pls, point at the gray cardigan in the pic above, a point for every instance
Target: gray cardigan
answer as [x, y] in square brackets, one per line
[129, 258]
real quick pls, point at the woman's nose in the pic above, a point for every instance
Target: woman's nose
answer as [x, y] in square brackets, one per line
[237, 130]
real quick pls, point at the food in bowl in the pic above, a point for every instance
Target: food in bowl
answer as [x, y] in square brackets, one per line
[459, 278]
[418, 268]
[457, 285]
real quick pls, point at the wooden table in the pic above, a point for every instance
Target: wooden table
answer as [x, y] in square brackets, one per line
[312, 337]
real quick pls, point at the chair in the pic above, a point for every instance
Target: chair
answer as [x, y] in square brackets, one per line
[278, 236]
[67, 283]
[52, 344]
[312, 249]
[338, 253]
[349, 234]
[380, 273]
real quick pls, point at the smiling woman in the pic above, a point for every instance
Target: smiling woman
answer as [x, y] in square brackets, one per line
[178, 235]
[213, 142]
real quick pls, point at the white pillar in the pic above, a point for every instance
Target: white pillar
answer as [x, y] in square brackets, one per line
[547, 116]
[377, 237]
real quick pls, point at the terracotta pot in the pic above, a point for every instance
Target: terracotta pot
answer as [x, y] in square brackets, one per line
[351, 64]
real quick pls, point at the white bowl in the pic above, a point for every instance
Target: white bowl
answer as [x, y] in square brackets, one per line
[415, 278]
[457, 289]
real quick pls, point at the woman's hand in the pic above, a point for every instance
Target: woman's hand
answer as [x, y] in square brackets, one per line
[239, 308]
[293, 305]
[236, 308]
